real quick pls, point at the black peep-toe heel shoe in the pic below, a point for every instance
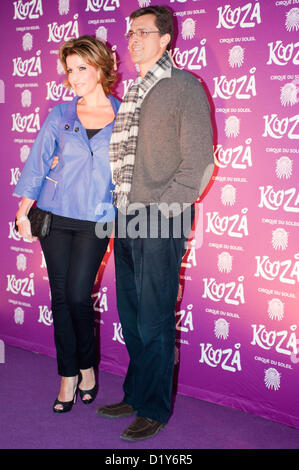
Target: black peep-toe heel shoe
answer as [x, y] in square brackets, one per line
[66, 405]
[92, 392]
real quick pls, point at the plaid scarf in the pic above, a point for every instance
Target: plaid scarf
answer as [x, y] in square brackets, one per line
[124, 137]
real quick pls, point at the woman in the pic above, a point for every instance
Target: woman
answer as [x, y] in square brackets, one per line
[78, 192]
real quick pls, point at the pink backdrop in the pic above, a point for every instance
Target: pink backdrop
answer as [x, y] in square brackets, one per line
[237, 312]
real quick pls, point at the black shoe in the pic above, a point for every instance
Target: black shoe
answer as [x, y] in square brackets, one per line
[142, 428]
[66, 405]
[92, 392]
[117, 410]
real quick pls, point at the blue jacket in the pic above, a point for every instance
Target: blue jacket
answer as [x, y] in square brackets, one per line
[80, 185]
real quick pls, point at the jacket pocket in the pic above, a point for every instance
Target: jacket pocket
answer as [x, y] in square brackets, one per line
[48, 192]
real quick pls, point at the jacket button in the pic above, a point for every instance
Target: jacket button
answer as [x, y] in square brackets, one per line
[76, 129]
[66, 126]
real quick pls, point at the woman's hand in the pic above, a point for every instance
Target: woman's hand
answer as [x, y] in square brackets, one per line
[23, 223]
[24, 229]
[55, 162]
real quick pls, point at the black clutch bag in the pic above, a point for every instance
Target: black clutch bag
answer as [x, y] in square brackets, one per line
[40, 222]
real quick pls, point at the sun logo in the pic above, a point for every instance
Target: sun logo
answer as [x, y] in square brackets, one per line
[63, 7]
[26, 98]
[288, 94]
[59, 67]
[24, 152]
[284, 167]
[232, 126]
[21, 262]
[228, 195]
[292, 19]
[102, 34]
[225, 262]
[276, 309]
[27, 42]
[272, 379]
[236, 56]
[19, 316]
[144, 3]
[188, 29]
[221, 329]
[279, 239]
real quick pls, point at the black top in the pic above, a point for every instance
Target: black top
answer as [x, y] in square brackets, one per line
[92, 132]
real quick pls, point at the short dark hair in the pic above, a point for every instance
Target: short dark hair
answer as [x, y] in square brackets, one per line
[163, 21]
[95, 53]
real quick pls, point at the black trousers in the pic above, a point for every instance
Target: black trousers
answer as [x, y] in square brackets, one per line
[147, 281]
[73, 255]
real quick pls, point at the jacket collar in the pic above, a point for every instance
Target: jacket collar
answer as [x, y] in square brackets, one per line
[70, 117]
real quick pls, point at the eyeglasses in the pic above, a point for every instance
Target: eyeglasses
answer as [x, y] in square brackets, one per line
[140, 34]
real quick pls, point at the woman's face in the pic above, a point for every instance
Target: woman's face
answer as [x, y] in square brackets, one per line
[82, 76]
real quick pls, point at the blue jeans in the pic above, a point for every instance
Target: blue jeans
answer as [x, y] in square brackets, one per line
[147, 282]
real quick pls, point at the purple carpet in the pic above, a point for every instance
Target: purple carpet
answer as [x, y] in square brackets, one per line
[29, 385]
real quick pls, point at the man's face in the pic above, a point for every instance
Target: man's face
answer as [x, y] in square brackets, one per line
[145, 51]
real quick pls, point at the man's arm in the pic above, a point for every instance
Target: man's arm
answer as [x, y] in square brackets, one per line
[196, 148]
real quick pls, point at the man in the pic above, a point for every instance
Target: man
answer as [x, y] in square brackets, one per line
[161, 158]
